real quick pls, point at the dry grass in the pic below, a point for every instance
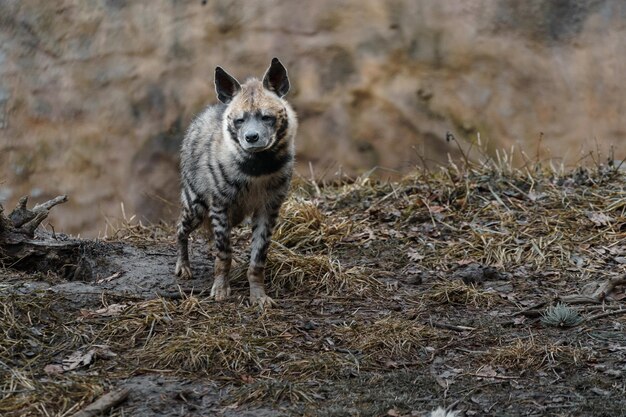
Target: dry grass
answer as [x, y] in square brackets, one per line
[533, 217]
[32, 330]
[529, 354]
[330, 364]
[388, 339]
[302, 226]
[317, 274]
[275, 391]
[200, 336]
[457, 292]
[128, 228]
[341, 265]
[191, 335]
[30, 396]
[203, 338]
[301, 257]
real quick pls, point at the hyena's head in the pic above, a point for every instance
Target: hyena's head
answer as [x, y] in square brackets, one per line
[256, 116]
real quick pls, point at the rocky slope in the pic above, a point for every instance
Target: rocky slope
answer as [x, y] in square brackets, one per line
[94, 95]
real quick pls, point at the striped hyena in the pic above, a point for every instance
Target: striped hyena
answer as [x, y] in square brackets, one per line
[236, 161]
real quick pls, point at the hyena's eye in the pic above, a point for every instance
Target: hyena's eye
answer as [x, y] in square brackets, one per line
[268, 119]
[238, 122]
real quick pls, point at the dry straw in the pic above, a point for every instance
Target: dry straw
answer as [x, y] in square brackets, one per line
[341, 266]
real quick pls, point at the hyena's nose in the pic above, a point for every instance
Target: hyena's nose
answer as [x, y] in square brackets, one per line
[252, 137]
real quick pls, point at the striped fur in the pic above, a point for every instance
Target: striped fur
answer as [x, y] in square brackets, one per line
[236, 162]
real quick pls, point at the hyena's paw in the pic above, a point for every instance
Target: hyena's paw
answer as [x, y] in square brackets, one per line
[258, 297]
[220, 290]
[183, 270]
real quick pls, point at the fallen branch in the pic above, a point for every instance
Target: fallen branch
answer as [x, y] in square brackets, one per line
[605, 314]
[598, 296]
[530, 310]
[23, 220]
[22, 248]
[491, 376]
[451, 327]
[104, 403]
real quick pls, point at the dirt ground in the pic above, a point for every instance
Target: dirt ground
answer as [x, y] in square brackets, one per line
[488, 290]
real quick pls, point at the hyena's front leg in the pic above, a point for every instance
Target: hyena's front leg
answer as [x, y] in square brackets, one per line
[221, 232]
[190, 218]
[263, 225]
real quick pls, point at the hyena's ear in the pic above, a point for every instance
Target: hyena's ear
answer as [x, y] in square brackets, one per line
[225, 86]
[276, 79]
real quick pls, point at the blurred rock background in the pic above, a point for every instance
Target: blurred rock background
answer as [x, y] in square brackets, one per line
[95, 94]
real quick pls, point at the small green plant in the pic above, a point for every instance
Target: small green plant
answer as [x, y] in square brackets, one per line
[561, 315]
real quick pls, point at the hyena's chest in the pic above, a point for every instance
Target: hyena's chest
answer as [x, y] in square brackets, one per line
[251, 198]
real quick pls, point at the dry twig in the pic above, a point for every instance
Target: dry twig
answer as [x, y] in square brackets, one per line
[599, 295]
[104, 403]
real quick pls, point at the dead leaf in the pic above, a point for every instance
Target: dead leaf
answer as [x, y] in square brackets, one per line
[414, 255]
[534, 196]
[599, 219]
[450, 374]
[108, 311]
[590, 288]
[391, 364]
[367, 235]
[601, 392]
[614, 373]
[502, 288]
[246, 379]
[77, 360]
[620, 259]
[103, 352]
[53, 369]
[436, 209]
[232, 406]
[487, 371]
[618, 297]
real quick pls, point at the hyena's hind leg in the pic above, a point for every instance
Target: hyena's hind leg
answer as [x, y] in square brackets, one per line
[191, 217]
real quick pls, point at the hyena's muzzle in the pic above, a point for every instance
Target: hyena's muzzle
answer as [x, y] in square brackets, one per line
[255, 131]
